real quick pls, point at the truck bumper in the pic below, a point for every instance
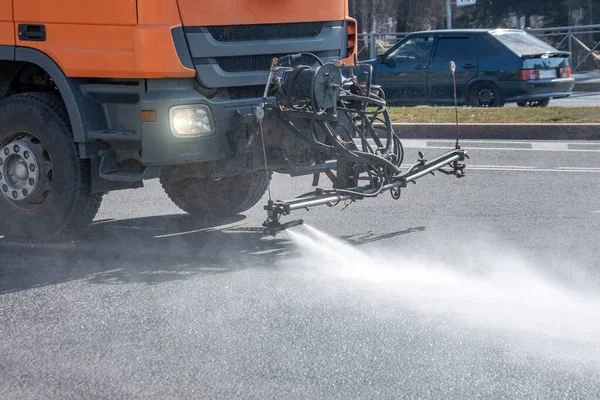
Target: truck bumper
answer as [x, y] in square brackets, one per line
[161, 147]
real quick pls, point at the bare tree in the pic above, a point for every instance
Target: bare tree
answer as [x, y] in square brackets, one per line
[415, 15]
[402, 12]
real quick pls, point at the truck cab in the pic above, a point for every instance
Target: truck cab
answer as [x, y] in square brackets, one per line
[102, 95]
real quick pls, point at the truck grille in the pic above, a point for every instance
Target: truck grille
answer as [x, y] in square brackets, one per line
[239, 33]
[255, 63]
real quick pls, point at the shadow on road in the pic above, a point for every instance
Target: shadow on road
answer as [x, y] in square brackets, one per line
[151, 251]
[370, 237]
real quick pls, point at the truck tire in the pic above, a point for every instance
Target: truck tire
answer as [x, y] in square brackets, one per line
[45, 188]
[213, 200]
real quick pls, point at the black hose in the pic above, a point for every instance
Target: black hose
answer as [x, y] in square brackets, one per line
[291, 57]
[359, 156]
[317, 59]
[298, 84]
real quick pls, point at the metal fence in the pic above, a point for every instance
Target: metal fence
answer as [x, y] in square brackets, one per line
[583, 42]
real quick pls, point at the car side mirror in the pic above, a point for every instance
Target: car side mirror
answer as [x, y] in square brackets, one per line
[390, 62]
[381, 58]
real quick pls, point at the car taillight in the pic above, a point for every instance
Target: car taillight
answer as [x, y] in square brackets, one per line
[565, 73]
[529, 75]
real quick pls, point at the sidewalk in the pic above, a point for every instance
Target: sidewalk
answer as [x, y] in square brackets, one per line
[587, 82]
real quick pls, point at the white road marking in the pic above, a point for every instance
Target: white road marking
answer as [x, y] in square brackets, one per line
[480, 141]
[102, 222]
[179, 234]
[518, 149]
[581, 168]
[500, 168]
[549, 146]
[535, 146]
[212, 269]
[414, 143]
[596, 211]
[136, 228]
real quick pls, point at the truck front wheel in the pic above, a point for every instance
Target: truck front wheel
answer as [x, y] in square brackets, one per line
[45, 189]
[213, 200]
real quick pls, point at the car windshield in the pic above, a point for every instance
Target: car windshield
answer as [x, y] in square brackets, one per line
[523, 43]
[416, 49]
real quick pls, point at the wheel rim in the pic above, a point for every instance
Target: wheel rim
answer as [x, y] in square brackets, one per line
[26, 171]
[486, 97]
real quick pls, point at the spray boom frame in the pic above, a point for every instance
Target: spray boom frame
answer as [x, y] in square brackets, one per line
[350, 126]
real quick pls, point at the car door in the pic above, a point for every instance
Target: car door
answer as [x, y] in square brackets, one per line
[402, 72]
[461, 50]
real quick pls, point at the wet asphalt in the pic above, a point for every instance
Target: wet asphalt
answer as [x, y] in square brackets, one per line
[150, 304]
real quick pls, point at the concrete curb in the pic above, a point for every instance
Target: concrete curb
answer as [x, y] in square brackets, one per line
[587, 87]
[500, 131]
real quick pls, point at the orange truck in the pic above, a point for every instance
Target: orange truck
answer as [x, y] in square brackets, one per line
[100, 95]
[209, 96]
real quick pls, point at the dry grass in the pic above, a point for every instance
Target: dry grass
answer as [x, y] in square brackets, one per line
[548, 115]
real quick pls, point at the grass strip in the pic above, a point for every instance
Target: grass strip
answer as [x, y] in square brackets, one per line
[466, 115]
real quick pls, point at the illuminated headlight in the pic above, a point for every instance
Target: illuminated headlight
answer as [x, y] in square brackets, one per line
[190, 121]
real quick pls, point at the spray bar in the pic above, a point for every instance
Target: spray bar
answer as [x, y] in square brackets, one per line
[276, 209]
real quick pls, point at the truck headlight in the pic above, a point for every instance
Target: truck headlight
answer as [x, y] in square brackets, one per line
[191, 121]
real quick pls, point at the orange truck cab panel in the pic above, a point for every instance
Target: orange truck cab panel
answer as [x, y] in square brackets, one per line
[133, 38]
[244, 12]
[159, 54]
[105, 38]
[7, 36]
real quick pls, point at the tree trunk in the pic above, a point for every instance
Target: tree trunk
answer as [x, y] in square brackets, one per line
[402, 10]
[589, 12]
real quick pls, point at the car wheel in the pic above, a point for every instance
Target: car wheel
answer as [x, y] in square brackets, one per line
[485, 94]
[534, 103]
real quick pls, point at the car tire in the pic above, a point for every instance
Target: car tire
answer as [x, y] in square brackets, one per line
[45, 188]
[211, 200]
[485, 94]
[534, 103]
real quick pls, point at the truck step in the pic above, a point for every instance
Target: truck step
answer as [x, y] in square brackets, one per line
[110, 171]
[122, 176]
[117, 135]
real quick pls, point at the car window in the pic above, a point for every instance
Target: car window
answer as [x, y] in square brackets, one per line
[484, 46]
[416, 49]
[463, 48]
[523, 43]
[453, 48]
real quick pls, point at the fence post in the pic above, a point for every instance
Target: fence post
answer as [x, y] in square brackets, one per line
[571, 57]
[372, 49]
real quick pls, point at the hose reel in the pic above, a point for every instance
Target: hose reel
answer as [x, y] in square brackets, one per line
[303, 86]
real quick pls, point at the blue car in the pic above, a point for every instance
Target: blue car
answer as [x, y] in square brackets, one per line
[493, 67]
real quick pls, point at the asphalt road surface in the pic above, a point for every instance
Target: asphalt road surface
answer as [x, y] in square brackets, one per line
[484, 287]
